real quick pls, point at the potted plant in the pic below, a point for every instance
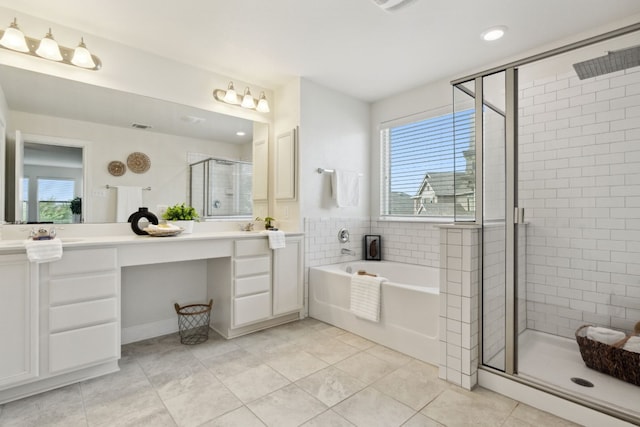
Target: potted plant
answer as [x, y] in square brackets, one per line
[268, 222]
[76, 208]
[181, 215]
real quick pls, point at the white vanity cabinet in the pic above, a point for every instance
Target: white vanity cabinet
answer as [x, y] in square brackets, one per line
[288, 276]
[18, 320]
[83, 299]
[266, 286]
[251, 281]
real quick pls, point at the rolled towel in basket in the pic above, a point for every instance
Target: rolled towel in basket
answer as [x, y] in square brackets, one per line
[604, 335]
[632, 344]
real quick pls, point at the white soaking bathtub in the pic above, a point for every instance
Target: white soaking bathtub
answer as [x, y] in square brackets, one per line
[409, 308]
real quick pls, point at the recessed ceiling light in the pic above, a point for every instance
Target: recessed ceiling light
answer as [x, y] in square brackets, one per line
[240, 133]
[493, 33]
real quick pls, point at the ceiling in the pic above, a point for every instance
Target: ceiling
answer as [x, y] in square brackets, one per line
[352, 46]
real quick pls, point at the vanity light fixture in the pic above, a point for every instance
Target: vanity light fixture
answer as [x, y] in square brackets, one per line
[47, 48]
[230, 96]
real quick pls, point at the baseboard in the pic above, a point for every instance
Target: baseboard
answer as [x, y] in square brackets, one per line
[149, 330]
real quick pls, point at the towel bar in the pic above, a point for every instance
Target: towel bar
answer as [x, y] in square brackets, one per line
[115, 186]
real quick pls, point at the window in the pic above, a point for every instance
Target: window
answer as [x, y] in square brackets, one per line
[423, 174]
[54, 198]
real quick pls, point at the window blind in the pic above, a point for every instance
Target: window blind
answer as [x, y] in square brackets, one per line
[420, 166]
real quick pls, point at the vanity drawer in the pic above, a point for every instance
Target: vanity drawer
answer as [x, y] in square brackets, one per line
[80, 347]
[252, 266]
[73, 289]
[252, 247]
[82, 314]
[252, 285]
[84, 261]
[251, 308]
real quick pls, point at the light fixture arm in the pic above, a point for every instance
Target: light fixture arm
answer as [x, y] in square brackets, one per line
[66, 52]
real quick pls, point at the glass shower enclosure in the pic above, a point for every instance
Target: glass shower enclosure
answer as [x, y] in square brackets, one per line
[558, 162]
[221, 188]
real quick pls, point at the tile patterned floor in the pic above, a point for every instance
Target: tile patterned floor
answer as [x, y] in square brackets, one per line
[305, 373]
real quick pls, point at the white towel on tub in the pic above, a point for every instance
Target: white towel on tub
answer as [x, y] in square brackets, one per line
[365, 296]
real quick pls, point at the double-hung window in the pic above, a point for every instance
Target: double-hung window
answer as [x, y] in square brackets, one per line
[424, 173]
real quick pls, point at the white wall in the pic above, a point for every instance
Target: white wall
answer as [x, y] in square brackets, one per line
[334, 134]
[168, 175]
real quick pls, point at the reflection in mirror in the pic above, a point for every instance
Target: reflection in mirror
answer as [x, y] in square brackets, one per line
[108, 121]
[52, 178]
[221, 188]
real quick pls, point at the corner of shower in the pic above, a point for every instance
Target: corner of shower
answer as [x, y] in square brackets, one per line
[562, 146]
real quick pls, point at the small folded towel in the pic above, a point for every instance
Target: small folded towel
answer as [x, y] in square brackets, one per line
[604, 335]
[365, 296]
[276, 239]
[632, 344]
[345, 188]
[44, 250]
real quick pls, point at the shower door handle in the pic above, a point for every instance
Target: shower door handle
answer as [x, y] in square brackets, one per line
[518, 215]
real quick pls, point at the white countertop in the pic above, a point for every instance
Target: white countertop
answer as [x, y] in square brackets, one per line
[17, 246]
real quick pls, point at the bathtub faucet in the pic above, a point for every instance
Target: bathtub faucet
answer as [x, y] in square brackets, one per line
[345, 251]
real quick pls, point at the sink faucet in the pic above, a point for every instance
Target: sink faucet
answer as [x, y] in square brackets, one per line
[345, 251]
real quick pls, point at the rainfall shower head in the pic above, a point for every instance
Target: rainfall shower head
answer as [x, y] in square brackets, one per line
[615, 60]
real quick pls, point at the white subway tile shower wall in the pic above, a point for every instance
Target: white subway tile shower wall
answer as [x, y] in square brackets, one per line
[579, 181]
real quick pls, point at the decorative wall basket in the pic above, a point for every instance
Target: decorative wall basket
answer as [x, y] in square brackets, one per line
[138, 162]
[116, 168]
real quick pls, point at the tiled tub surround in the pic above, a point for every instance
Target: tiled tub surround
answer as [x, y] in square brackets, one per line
[459, 290]
[579, 172]
[402, 241]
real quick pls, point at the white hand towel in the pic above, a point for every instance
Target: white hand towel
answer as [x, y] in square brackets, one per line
[128, 200]
[44, 250]
[276, 239]
[632, 344]
[604, 335]
[345, 188]
[365, 296]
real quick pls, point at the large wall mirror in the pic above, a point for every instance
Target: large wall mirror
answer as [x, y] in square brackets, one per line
[68, 140]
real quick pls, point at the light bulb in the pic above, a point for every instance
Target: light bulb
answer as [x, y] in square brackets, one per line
[247, 99]
[14, 39]
[82, 56]
[49, 48]
[263, 104]
[231, 97]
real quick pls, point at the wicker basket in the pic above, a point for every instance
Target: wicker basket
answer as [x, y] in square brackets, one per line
[619, 363]
[193, 322]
